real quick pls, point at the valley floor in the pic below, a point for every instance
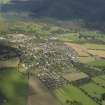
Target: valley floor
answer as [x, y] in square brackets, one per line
[38, 94]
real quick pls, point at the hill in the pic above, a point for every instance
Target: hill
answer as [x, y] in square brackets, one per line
[91, 12]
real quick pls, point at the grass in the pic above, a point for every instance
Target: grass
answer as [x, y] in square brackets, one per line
[73, 93]
[103, 103]
[73, 37]
[13, 85]
[92, 89]
[98, 63]
[75, 76]
[68, 37]
[4, 1]
[99, 53]
[99, 80]
[88, 59]
[70, 92]
[94, 46]
[13, 62]
[81, 51]
[102, 77]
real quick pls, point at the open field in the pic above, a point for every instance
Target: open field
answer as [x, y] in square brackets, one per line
[94, 46]
[98, 63]
[4, 1]
[13, 62]
[75, 76]
[103, 103]
[88, 59]
[13, 86]
[92, 89]
[69, 37]
[17, 90]
[89, 53]
[79, 49]
[85, 52]
[38, 94]
[72, 93]
[100, 80]
[99, 53]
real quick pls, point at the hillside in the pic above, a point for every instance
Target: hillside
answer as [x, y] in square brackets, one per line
[90, 12]
[62, 9]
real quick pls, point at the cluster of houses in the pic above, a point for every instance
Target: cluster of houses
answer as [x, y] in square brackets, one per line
[47, 55]
[51, 80]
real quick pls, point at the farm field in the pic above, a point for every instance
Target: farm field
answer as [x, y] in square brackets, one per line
[85, 52]
[13, 86]
[61, 66]
[72, 94]
[76, 76]
[88, 59]
[91, 54]
[81, 51]
[13, 62]
[38, 94]
[99, 53]
[98, 63]
[100, 80]
[103, 103]
[65, 94]
[69, 37]
[94, 46]
[92, 89]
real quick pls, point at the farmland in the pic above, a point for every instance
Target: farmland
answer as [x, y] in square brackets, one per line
[61, 66]
[13, 86]
[52, 52]
[93, 89]
[72, 93]
[91, 55]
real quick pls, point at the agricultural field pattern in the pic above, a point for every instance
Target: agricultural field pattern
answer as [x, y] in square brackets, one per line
[48, 61]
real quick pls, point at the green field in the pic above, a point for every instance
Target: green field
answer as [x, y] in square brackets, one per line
[102, 77]
[72, 93]
[72, 37]
[13, 86]
[99, 80]
[94, 46]
[98, 63]
[88, 39]
[87, 59]
[93, 89]
[4, 1]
